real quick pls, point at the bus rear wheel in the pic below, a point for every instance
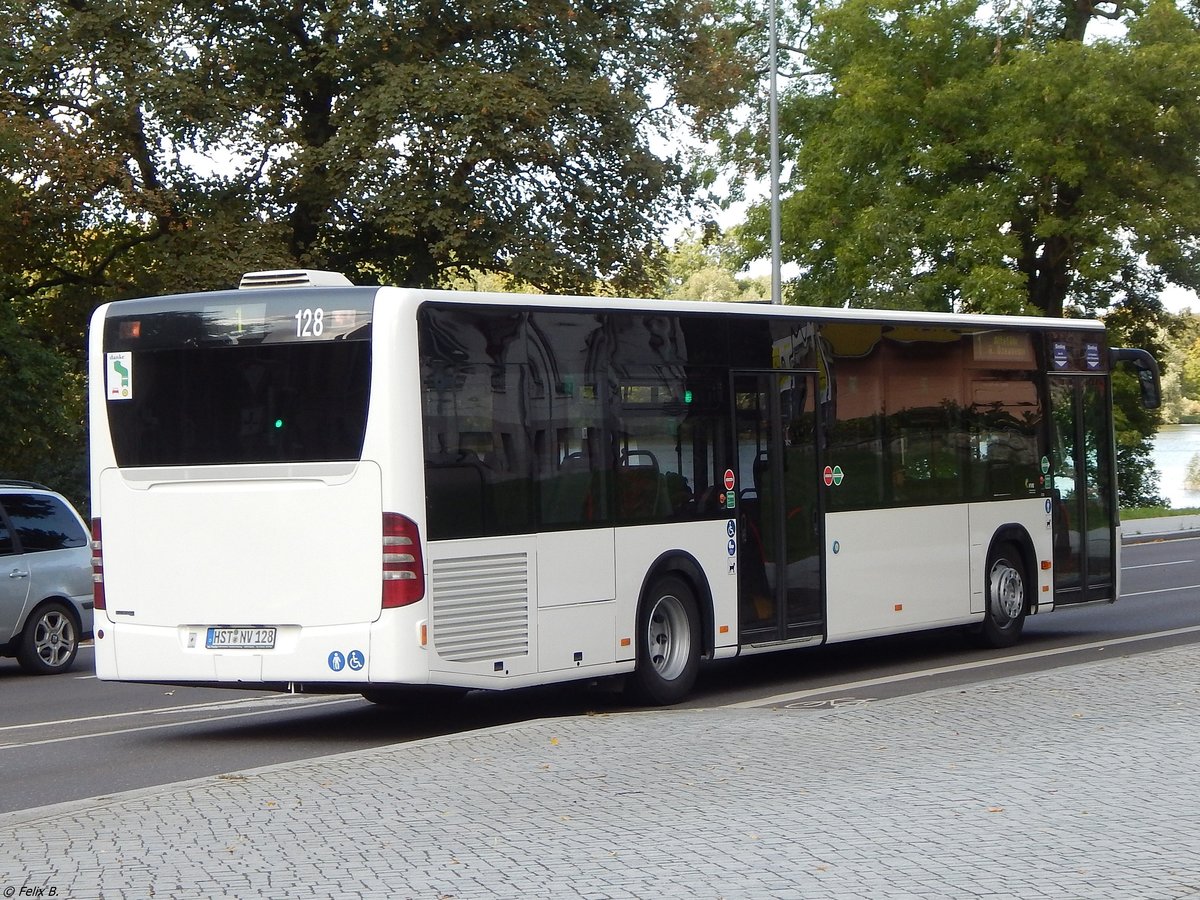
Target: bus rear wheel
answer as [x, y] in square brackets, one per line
[1007, 597]
[668, 643]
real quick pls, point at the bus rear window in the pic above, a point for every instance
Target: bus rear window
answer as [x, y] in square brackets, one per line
[271, 402]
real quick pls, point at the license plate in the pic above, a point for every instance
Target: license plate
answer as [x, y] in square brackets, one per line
[240, 639]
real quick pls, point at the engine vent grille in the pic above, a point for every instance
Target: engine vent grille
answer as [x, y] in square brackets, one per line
[481, 607]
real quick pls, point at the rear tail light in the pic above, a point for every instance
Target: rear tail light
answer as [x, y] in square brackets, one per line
[97, 566]
[403, 569]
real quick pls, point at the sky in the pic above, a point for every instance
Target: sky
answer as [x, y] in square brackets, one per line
[1176, 299]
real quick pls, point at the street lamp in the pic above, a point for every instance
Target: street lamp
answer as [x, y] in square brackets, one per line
[773, 116]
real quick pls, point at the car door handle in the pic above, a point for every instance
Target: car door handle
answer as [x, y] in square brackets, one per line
[17, 573]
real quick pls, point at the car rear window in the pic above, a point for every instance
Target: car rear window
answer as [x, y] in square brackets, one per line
[41, 522]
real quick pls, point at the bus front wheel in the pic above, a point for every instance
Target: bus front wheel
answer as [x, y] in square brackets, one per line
[668, 643]
[1007, 597]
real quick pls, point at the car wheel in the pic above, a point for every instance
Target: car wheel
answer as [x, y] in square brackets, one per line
[49, 641]
[668, 643]
[1007, 598]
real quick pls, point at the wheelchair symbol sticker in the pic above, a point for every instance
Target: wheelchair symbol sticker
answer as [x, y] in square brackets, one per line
[355, 659]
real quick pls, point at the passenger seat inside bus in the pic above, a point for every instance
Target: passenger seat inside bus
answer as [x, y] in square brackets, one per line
[641, 488]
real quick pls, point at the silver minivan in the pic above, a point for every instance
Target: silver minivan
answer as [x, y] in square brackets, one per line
[45, 578]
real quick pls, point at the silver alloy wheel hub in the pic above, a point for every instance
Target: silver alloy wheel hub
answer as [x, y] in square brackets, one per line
[1007, 591]
[668, 637]
[53, 638]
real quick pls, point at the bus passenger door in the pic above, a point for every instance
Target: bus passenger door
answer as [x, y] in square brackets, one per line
[779, 541]
[1085, 496]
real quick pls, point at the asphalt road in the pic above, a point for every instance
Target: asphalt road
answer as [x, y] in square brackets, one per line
[70, 736]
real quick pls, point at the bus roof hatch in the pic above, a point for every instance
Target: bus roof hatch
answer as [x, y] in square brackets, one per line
[293, 278]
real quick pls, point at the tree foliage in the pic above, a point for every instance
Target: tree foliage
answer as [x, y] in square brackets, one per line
[393, 140]
[153, 146]
[41, 411]
[953, 154]
[993, 157]
[706, 266]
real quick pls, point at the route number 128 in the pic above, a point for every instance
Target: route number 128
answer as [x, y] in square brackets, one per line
[310, 322]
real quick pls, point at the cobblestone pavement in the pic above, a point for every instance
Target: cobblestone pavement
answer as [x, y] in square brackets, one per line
[1078, 782]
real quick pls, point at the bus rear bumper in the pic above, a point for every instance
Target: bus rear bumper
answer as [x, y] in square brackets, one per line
[332, 655]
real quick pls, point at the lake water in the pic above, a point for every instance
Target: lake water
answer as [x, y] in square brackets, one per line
[1174, 447]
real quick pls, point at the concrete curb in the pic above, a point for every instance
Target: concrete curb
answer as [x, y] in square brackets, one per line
[1161, 525]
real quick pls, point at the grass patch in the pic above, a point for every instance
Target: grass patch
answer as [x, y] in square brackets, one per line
[1158, 512]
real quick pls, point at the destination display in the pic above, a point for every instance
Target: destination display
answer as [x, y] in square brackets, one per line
[241, 318]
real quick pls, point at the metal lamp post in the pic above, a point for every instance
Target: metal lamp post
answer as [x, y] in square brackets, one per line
[773, 116]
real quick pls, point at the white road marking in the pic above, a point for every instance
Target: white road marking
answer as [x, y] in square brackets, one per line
[792, 696]
[1185, 587]
[91, 735]
[1178, 562]
[296, 700]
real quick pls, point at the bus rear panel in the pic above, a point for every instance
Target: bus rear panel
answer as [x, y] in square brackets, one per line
[240, 528]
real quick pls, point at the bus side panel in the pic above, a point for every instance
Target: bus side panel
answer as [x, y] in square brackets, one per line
[894, 570]
[483, 597]
[525, 609]
[1031, 514]
[708, 543]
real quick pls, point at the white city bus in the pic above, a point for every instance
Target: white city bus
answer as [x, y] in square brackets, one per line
[307, 485]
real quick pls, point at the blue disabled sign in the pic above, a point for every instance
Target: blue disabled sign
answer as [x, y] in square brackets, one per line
[355, 660]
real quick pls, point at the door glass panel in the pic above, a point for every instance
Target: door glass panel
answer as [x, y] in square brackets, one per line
[1097, 462]
[779, 578]
[756, 547]
[1082, 470]
[1068, 544]
[802, 582]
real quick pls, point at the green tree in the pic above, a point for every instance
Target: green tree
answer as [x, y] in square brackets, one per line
[151, 146]
[1181, 368]
[41, 412]
[1136, 323]
[396, 141]
[706, 266]
[958, 155]
[990, 157]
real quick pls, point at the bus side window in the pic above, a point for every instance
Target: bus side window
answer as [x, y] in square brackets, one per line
[455, 499]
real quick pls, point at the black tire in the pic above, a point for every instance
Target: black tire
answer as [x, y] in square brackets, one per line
[49, 640]
[1006, 597]
[668, 643]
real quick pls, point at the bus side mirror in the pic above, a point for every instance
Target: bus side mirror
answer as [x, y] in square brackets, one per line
[1146, 368]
